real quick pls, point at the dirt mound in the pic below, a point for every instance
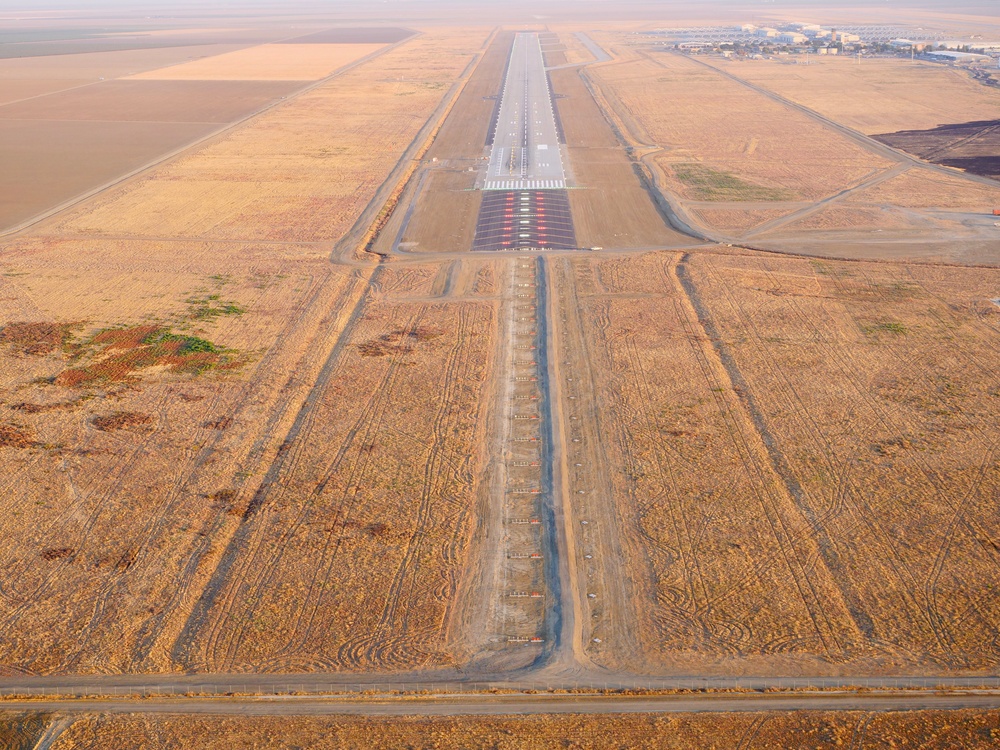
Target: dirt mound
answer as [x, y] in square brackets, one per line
[15, 436]
[398, 341]
[121, 420]
[35, 338]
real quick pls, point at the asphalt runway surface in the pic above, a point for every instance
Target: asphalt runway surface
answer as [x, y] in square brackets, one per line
[526, 153]
[516, 220]
[524, 203]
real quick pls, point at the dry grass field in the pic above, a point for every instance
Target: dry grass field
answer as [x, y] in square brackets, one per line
[721, 142]
[612, 208]
[737, 220]
[36, 155]
[266, 62]
[864, 730]
[879, 96]
[351, 553]
[877, 386]
[316, 161]
[922, 189]
[848, 415]
[159, 398]
[166, 394]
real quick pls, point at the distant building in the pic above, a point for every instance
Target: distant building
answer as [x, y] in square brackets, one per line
[956, 56]
[766, 32]
[790, 37]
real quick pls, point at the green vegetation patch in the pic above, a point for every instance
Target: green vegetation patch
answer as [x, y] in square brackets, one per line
[708, 184]
[118, 354]
[889, 326]
[212, 306]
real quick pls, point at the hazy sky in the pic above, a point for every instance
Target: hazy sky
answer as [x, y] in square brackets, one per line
[485, 10]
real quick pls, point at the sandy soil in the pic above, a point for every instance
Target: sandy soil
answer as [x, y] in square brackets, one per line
[151, 101]
[825, 729]
[267, 62]
[879, 96]
[310, 191]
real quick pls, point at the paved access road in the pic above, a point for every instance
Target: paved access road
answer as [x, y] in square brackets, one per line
[526, 153]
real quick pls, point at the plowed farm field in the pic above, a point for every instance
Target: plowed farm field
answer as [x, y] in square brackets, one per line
[303, 172]
[267, 62]
[809, 459]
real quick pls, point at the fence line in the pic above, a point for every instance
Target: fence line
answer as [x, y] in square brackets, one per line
[318, 688]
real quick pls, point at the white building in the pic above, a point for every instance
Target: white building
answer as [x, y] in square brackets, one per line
[956, 56]
[790, 37]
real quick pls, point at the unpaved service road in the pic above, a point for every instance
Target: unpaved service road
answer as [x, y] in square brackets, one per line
[498, 705]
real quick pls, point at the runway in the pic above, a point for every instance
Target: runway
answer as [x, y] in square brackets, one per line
[525, 205]
[526, 141]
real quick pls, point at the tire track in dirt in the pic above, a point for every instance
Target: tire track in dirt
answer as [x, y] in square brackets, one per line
[181, 649]
[153, 631]
[836, 633]
[868, 517]
[256, 576]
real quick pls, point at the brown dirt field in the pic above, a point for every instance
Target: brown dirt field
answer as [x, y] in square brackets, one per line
[737, 220]
[923, 189]
[877, 386]
[844, 525]
[15, 89]
[92, 66]
[151, 101]
[357, 35]
[717, 124]
[612, 209]
[316, 161]
[925, 729]
[352, 561]
[267, 62]
[106, 604]
[36, 176]
[879, 96]
[444, 219]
